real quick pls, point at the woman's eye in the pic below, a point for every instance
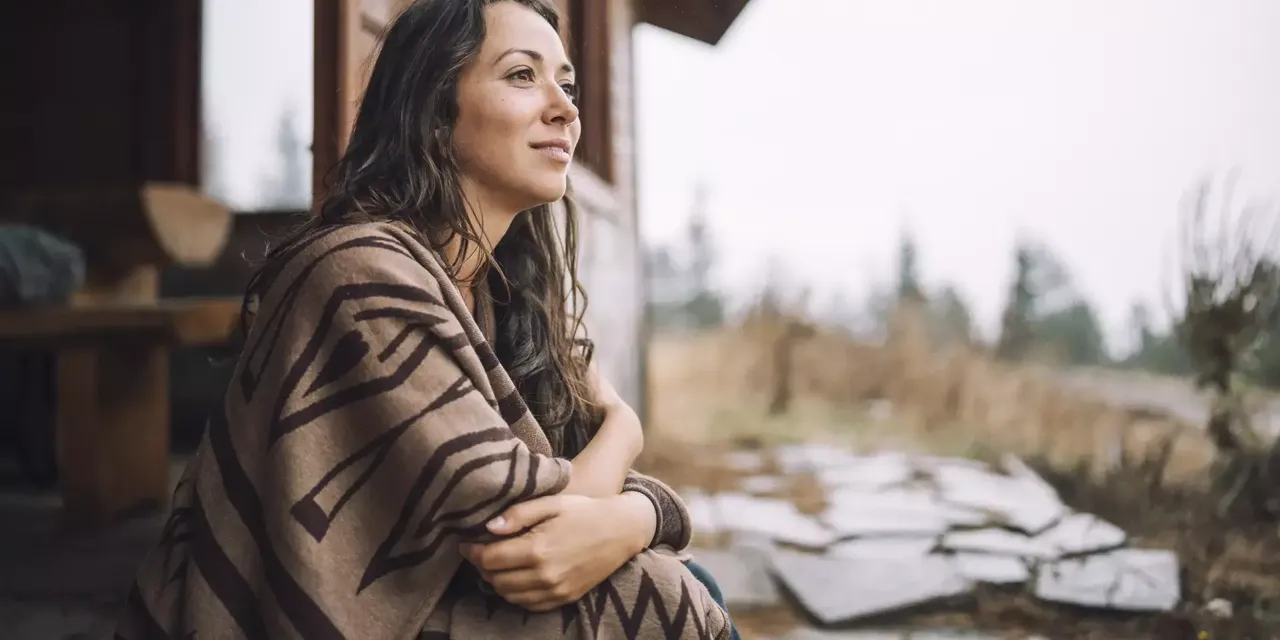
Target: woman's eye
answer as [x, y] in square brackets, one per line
[525, 75]
[570, 89]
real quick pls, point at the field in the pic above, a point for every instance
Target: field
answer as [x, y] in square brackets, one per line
[1143, 469]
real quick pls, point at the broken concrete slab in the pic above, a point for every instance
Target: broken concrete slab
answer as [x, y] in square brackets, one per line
[1020, 501]
[928, 463]
[851, 522]
[1080, 533]
[841, 590]
[820, 634]
[868, 473]
[1075, 534]
[1124, 579]
[812, 457]
[894, 512]
[989, 569]
[772, 517]
[905, 547]
[805, 633]
[998, 542]
[702, 511]
[743, 577]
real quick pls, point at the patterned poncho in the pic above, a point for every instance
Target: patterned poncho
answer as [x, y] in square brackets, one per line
[368, 430]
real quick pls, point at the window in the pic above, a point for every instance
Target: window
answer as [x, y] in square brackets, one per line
[586, 31]
[257, 103]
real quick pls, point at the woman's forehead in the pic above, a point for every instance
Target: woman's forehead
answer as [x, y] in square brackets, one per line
[511, 26]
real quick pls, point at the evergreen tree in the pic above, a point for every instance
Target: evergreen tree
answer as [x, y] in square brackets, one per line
[908, 289]
[1016, 322]
[950, 319]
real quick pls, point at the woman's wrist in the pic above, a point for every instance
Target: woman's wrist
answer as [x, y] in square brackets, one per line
[601, 468]
[638, 517]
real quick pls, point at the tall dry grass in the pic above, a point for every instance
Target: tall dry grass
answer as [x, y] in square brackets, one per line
[949, 400]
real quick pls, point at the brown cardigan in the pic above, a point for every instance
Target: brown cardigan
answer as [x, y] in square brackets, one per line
[368, 430]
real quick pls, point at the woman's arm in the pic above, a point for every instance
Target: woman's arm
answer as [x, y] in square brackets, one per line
[601, 469]
[604, 468]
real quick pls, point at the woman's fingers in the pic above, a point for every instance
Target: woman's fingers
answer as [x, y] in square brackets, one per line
[516, 582]
[519, 517]
[537, 600]
[533, 589]
[520, 552]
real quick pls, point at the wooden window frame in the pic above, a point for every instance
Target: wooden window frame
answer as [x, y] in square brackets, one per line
[584, 26]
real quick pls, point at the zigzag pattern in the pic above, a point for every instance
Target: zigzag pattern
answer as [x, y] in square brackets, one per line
[648, 605]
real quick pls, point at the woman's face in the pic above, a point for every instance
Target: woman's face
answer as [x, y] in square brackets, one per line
[517, 124]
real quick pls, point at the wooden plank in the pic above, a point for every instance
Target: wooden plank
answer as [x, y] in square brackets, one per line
[186, 322]
[703, 20]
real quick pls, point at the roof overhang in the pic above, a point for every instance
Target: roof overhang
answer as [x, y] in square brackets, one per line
[704, 20]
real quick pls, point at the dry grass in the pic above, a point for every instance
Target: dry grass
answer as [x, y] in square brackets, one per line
[714, 388]
[1145, 472]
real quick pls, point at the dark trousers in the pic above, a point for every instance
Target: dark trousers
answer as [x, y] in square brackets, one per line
[709, 582]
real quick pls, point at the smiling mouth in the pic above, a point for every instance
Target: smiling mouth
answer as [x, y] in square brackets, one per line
[559, 154]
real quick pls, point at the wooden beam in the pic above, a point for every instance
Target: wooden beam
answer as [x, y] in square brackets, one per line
[183, 321]
[703, 20]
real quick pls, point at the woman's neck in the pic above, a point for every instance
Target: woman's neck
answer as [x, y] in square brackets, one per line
[492, 221]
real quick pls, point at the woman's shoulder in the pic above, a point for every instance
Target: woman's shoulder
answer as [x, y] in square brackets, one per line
[350, 239]
[352, 254]
[364, 246]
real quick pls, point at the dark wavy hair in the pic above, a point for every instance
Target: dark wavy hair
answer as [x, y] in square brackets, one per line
[399, 165]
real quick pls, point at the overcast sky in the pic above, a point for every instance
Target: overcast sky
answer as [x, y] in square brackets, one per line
[825, 127]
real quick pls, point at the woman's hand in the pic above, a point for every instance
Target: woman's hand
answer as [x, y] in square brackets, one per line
[575, 543]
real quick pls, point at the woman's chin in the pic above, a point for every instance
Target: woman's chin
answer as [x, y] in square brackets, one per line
[548, 191]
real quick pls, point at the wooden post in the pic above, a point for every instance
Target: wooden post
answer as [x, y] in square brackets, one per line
[112, 428]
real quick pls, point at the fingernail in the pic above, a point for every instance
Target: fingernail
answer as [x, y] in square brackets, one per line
[498, 523]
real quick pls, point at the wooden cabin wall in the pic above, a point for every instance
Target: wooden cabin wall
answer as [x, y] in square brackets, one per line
[99, 92]
[96, 93]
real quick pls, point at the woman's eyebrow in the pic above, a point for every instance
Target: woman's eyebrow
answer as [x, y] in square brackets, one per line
[534, 55]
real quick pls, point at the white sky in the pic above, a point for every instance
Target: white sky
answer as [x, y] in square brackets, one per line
[825, 127]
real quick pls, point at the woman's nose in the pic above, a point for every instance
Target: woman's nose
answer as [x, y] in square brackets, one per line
[562, 108]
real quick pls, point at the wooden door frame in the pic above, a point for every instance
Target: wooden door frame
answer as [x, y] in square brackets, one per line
[333, 22]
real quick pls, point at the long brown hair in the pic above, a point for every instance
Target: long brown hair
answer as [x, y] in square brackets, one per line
[399, 165]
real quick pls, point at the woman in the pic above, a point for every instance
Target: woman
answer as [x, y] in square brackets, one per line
[414, 443]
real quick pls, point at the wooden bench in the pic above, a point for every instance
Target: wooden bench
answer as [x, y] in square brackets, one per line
[112, 341]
